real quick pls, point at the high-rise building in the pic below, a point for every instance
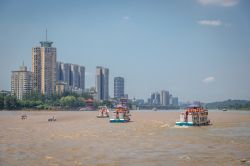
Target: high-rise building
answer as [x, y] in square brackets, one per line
[81, 81]
[118, 87]
[152, 97]
[165, 98]
[44, 68]
[65, 73]
[155, 98]
[175, 101]
[21, 82]
[58, 71]
[71, 74]
[74, 76]
[102, 83]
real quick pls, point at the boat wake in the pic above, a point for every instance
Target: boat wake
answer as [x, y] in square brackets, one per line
[180, 126]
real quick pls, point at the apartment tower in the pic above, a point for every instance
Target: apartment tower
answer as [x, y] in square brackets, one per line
[165, 98]
[21, 82]
[102, 83]
[118, 87]
[44, 68]
[71, 74]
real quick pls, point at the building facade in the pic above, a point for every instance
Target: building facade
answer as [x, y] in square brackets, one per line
[175, 102]
[102, 83]
[21, 82]
[165, 98]
[44, 68]
[81, 81]
[65, 70]
[118, 87]
[71, 74]
[155, 98]
[61, 87]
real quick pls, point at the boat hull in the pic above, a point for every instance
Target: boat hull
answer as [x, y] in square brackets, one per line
[191, 124]
[102, 116]
[184, 124]
[118, 120]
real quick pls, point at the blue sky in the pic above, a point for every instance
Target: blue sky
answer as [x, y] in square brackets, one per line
[196, 49]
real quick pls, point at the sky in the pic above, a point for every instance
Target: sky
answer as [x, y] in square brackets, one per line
[198, 50]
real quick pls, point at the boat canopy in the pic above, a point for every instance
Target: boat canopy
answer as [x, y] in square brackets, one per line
[194, 106]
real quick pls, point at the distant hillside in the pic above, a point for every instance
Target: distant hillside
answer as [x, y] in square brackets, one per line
[229, 104]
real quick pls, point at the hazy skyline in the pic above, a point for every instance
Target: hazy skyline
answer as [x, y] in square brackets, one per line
[196, 49]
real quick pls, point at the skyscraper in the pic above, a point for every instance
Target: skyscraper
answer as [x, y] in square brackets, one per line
[74, 76]
[81, 81]
[118, 87]
[165, 97]
[58, 71]
[102, 83]
[21, 82]
[65, 73]
[175, 101]
[155, 98]
[71, 74]
[44, 68]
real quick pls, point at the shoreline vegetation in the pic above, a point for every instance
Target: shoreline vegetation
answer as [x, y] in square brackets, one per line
[65, 101]
[229, 105]
[74, 102]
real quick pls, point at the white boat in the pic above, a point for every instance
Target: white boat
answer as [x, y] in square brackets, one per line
[103, 112]
[121, 113]
[194, 116]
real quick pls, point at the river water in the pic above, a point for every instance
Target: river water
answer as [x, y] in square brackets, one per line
[151, 138]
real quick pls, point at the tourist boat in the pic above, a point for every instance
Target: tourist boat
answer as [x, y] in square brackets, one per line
[194, 115]
[103, 112]
[24, 116]
[121, 113]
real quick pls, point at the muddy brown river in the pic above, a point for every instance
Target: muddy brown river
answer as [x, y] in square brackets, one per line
[150, 139]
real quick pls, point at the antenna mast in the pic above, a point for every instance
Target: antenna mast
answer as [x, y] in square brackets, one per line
[46, 34]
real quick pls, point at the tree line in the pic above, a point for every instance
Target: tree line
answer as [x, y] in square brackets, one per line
[67, 100]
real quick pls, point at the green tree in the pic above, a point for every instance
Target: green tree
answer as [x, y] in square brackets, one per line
[1, 101]
[107, 103]
[11, 102]
[81, 102]
[68, 101]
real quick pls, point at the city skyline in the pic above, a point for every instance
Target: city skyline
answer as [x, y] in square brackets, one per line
[197, 49]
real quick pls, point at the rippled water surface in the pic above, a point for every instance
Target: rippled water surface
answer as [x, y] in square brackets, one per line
[79, 138]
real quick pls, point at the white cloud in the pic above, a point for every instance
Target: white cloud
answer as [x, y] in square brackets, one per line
[208, 80]
[223, 3]
[125, 17]
[210, 22]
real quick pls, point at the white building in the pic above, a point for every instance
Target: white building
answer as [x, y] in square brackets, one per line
[21, 82]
